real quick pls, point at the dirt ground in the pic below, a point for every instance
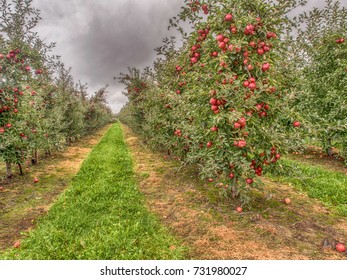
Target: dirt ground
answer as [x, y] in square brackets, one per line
[209, 225]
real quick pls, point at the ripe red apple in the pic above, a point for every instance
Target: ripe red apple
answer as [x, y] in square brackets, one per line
[215, 108]
[266, 48]
[214, 128]
[228, 17]
[252, 86]
[194, 60]
[265, 67]
[213, 101]
[222, 45]
[237, 125]
[296, 124]
[209, 144]
[240, 143]
[2, 130]
[340, 247]
[8, 125]
[270, 35]
[231, 175]
[210, 180]
[249, 181]
[260, 51]
[287, 200]
[16, 244]
[1, 188]
[220, 38]
[239, 209]
[36, 180]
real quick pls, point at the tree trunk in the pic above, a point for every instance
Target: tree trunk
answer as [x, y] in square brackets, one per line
[9, 173]
[20, 168]
[329, 150]
[34, 158]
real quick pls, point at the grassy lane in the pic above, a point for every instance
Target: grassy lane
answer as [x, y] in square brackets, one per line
[101, 216]
[326, 185]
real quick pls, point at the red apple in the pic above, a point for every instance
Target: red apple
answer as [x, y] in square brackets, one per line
[296, 124]
[287, 200]
[239, 209]
[237, 125]
[213, 101]
[214, 108]
[209, 144]
[240, 143]
[265, 67]
[228, 17]
[219, 37]
[249, 181]
[36, 180]
[340, 247]
[222, 45]
[252, 86]
[260, 51]
[16, 244]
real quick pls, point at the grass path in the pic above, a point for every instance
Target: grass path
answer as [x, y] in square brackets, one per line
[102, 215]
[22, 202]
[318, 181]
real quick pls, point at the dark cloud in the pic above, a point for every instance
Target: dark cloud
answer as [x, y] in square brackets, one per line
[100, 39]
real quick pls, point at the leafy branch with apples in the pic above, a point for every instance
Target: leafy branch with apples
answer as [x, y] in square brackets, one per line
[220, 100]
[41, 108]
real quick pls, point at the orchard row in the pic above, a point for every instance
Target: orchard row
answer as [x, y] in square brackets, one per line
[229, 99]
[41, 107]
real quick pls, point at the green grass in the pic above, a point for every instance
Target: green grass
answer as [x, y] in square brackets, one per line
[328, 186]
[102, 215]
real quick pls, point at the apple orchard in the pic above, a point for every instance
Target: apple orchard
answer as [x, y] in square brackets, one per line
[41, 108]
[236, 95]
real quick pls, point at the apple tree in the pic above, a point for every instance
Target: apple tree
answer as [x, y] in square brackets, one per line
[220, 100]
[321, 51]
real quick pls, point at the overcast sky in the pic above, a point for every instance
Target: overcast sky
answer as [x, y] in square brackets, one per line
[101, 38]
